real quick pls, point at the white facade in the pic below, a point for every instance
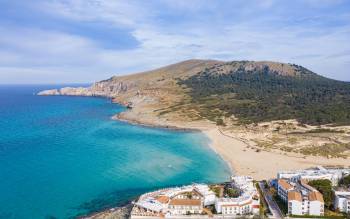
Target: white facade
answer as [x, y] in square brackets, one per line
[301, 198]
[208, 195]
[316, 208]
[342, 201]
[305, 207]
[295, 207]
[237, 206]
[332, 174]
[185, 208]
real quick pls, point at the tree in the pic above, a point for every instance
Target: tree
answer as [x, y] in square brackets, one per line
[324, 186]
[233, 193]
[345, 181]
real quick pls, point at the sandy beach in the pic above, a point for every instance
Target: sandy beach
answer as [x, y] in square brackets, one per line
[262, 164]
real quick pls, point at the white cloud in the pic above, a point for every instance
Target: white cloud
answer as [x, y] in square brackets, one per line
[115, 12]
[79, 58]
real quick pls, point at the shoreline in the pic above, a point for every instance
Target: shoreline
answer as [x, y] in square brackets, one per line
[214, 149]
[241, 157]
[117, 117]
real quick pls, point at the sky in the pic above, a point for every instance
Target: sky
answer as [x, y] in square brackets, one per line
[82, 41]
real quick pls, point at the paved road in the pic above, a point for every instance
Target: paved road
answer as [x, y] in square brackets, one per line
[274, 209]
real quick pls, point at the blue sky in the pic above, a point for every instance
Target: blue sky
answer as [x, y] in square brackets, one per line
[62, 41]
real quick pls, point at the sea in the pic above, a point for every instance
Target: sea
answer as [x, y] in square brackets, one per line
[64, 157]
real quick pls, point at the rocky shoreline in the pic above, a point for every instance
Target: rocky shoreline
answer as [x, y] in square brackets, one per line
[122, 212]
[93, 92]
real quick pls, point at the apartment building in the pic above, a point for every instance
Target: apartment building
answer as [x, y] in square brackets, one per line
[301, 198]
[320, 172]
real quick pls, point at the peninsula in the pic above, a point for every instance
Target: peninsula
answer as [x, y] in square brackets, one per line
[261, 117]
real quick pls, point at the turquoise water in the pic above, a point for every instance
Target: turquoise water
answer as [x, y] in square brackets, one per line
[61, 157]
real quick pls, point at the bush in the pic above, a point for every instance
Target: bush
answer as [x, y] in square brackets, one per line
[345, 181]
[233, 193]
[220, 122]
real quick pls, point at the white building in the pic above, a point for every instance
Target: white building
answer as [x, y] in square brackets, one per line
[185, 206]
[247, 203]
[207, 194]
[174, 201]
[301, 198]
[310, 204]
[342, 201]
[191, 200]
[294, 203]
[332, 174]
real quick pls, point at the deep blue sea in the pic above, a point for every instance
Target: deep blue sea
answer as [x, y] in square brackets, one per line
[62, 157]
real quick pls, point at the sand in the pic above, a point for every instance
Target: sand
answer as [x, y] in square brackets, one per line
[261, 165]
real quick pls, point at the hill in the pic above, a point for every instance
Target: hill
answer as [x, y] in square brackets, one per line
[266, 91]
[249, 91]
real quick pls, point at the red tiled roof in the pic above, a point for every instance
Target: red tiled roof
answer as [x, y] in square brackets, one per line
[191, 202]
[294, 196]
[316, 196]
[162, 199]
[284, 184]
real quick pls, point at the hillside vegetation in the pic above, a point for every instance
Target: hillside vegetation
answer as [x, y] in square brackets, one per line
[266, 91]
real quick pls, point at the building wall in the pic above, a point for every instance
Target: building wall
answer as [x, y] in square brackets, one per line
[234, 210]
[295, 207]
[305, 208]
[333, 178]
[185, 196]
[316, 208]
[184, 209]
[209, 199]
[342, 203]
[305, 205]
[235, 207]
[286, 175]
[283, 194]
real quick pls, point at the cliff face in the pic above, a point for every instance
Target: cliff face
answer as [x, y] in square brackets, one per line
[106, 88]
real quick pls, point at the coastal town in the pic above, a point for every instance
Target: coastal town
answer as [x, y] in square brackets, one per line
[319, 192]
